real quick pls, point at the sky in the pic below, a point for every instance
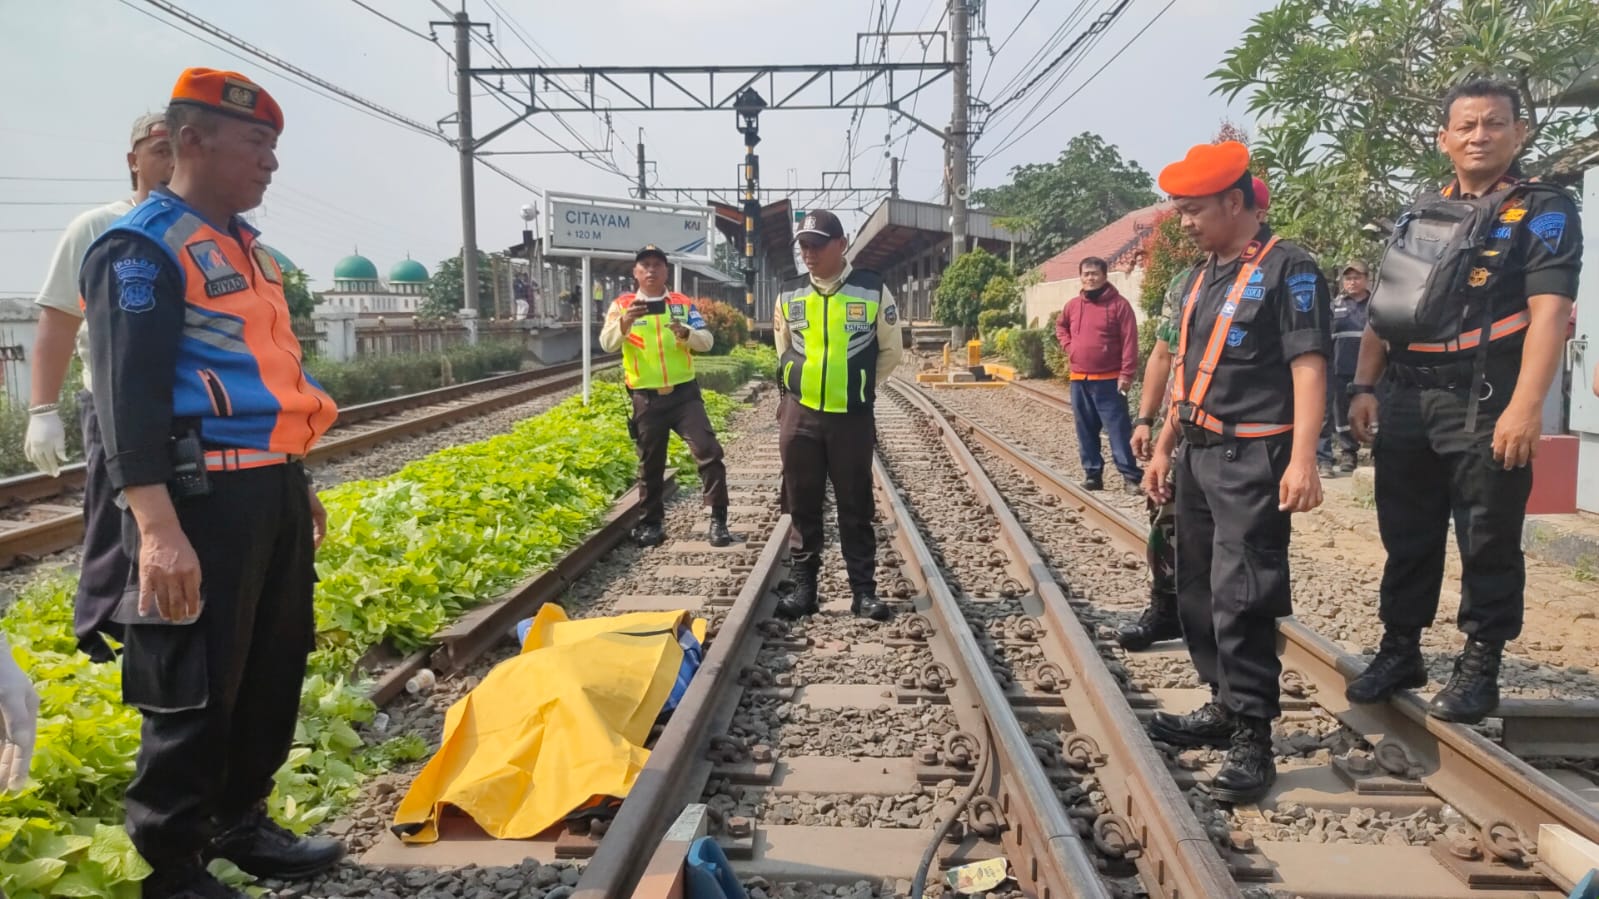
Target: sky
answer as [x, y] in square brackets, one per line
[77, 72]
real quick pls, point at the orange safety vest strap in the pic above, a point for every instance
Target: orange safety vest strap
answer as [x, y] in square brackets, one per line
[1249, 429]
[1106, 376]
[1510, 324]
[1218, 338]
[239, 460]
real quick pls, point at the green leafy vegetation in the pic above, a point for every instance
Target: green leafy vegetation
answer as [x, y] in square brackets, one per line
[14, 425]
[371, 378]
[403, 556]
[728, 325]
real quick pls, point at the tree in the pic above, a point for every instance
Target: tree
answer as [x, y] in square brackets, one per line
[1351, 91]
[959, 297]
[297, 291]
[446, 294]
[1089, 186]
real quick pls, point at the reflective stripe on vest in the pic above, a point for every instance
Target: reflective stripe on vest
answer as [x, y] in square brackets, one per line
[1212, 355]
[240, 460]
[652, 356]
[831, 363]
[238, 368]
[1510, 324]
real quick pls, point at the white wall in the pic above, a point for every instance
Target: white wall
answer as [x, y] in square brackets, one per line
[1040, 301]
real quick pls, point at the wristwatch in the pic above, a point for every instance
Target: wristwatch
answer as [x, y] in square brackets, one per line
[1147, 422]
[1358, 389]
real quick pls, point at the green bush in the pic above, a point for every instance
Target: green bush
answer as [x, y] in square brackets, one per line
[371, 378]
[14, 425]
[1024, 348]
[990, 320]
[762, 358]
[729, 325]
[1054, 359]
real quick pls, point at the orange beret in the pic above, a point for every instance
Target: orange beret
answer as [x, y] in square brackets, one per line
[229, 93]
[1207, 169]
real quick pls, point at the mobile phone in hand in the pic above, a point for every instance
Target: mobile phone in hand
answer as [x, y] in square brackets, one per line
[655, 307]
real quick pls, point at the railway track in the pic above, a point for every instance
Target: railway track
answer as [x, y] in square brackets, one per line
[42, 514]
[1405, 763]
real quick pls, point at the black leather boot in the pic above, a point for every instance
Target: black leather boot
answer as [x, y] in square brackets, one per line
[867, 605]
[803, 601]
[1473, 690]
[262, 847]
[186, 880]
[1209, 725]
[1094, 482]
[718, 534]
[1398, 665]
[649, 534]
[1249, 770]
[1158, 622]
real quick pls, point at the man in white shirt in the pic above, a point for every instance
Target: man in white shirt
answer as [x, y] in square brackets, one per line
[104, 571]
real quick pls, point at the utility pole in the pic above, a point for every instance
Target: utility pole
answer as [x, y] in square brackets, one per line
[893, 177]
[466, 146]
[958, 188]
[643, 188]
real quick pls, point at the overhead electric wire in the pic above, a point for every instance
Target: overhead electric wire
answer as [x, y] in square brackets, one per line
[993, 52]
[1099, 25]
[1022, 114]
[1012, 141]
[1049, 46]
[396, 23]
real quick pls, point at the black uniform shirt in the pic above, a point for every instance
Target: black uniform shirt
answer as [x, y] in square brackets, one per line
[137, 350]
[1285, 315]
[1540, 235]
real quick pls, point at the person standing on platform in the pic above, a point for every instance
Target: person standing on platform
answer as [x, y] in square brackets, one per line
[1349, 323]
[1462, 416]
[658, 333]
[1098, 334]
[207, 413]
[104, 568]
[1248, 398]
[838, 336]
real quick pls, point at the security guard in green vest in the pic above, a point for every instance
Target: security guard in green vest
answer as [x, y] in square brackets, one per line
[658, 333]
[838, 334]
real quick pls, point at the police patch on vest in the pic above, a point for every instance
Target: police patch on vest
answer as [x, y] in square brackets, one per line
[1303, 288]
[269, 266]
[1550, 228]
[135, 284]
[1257, 277]
[1478, 277]
[891, 314]
[1254, 293]
[1235, 335]
[220, 275]
[796, 310]
[679, 313]
[1229, 307]
[854, 312]
[1500, 233]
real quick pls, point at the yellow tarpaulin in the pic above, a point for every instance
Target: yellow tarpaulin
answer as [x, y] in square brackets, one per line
[545, 732]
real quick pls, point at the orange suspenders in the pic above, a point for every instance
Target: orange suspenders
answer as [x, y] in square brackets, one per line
[1213, 348]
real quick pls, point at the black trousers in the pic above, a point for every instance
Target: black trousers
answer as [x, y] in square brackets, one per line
[104, 570]
[220, 696]
[1336, 437]
[1429, 468]
[1160, 550]
[822, 447]
[655, 417]
[1232, 567]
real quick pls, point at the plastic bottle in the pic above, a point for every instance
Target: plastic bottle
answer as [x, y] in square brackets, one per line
[421, 682]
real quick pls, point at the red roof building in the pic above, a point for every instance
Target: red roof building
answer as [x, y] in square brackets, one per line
[1119, 243]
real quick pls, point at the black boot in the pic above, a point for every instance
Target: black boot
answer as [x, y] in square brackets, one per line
[1398, 665]
[866, 605]
[1473, 691]
[803, 601]
[1209, 725]
[649, 534]
[1159, 622]
[263, 848]
[1348, 463]
[1249, 769]
[187, 880]
[718, 534]
[1094, 481]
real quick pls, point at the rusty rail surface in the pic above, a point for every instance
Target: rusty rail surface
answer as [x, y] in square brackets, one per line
[1504, 798]
[668, 781]
[64, 528]
[1176, 858]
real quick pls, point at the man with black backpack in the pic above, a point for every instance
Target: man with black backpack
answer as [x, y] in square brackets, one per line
[1467, 329]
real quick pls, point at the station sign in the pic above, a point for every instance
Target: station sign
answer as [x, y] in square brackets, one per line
[614, 226]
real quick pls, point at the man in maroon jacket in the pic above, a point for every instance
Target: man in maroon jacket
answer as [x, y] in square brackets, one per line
[1099, 335]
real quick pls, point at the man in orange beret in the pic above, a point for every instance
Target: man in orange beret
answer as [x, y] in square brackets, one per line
[206, 414]
[1247, 401]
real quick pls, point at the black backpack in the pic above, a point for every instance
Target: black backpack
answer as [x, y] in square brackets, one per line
[1421, 289]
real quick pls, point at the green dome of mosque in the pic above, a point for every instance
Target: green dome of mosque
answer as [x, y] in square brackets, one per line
[408, 271]
[355, 268]
[282, 260]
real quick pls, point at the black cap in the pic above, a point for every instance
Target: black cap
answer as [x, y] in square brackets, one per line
[820, 223]
[651, 250]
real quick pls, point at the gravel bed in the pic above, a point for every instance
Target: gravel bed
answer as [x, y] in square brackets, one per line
[888, 731]
[821, 663]
[918, 809]
[761, 888]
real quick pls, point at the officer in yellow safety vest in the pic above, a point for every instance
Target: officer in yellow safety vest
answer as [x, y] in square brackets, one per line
[838, 334]
[659, 332]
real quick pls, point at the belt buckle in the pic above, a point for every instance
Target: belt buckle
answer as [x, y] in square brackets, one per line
[663, 391]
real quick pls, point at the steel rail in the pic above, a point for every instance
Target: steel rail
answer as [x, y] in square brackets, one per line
[1177, 858]
[1486, 783]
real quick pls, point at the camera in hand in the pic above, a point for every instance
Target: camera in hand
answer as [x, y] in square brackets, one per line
[655, 307]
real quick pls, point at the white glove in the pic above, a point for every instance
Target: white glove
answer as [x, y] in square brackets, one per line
[46, 443]
[19, 718]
